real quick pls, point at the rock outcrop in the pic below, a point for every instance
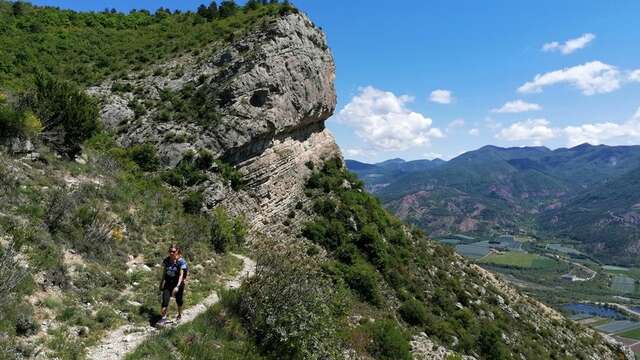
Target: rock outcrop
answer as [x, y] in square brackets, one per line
[268, 94]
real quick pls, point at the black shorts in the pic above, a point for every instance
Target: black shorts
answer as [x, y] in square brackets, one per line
[166, 295]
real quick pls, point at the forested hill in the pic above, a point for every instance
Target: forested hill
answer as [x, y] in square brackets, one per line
[585, 193]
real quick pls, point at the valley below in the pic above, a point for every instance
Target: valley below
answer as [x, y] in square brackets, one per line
[492, 208]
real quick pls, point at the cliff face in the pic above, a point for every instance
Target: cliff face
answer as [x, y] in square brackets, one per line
[267, 96]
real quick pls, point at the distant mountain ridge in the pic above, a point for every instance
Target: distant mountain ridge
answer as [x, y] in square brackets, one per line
[586, 193]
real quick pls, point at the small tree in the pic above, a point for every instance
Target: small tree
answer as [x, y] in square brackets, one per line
[227, 8]
[18, 8]
[252, 4]
[213, 10]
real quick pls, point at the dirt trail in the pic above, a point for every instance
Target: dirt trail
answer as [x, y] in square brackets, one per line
[123, 340]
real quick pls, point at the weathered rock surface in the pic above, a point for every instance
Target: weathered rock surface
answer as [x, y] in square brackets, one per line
[422, 348]
[275, 82]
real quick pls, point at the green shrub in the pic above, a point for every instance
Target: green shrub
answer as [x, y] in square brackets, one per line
[185, 173]
[388, 342]
[226, 233]
[413, 312]
[363, 280]
[26, 325]
[204, 160]
[145, 156]
[68, 114]
[231, 174]
[290, 305]
[490, 343]
[192, 203]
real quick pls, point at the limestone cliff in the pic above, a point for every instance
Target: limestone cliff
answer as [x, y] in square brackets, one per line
[270, 91]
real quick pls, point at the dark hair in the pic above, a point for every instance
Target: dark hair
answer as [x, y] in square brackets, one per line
[175, 246]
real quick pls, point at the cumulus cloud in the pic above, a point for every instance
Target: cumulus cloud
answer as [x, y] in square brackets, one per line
[590, 78]
[517, 106]
[474, 132]
[441, 96]
[384, 122]
[457, 123]
[570, 45]
[635, 75]
[532, 130]
[598, 133]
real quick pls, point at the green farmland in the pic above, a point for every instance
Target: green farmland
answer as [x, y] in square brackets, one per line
[631, 334]
[519, 260]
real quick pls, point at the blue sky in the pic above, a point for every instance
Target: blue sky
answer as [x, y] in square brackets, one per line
[391, 56]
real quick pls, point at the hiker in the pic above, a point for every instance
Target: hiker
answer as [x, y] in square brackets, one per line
[175, 270]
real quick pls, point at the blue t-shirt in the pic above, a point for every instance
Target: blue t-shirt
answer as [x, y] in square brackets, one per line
[172, 270]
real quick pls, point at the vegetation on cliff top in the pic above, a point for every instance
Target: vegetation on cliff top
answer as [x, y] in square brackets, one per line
[87, 47]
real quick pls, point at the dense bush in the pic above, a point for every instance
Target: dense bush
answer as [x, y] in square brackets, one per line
[186, 173]
[26, 325]
[68, 115]
[145, 156]
[290, 306]
[363, 280]
[18, 124]
[413, 312]
[226, 233]
[192, 203]
[388, 342]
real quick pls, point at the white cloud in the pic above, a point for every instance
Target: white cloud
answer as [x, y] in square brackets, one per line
[607, 131]
[457, 123]
[474, 132]
[591, 78]
[355, 152]
[383, 120]
[534, 130]
[441, 96]
[635, 75]
[432, 155]
[570, 45]
[517, 106]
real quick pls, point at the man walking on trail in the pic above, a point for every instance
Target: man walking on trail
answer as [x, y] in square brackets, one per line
[175, 270]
